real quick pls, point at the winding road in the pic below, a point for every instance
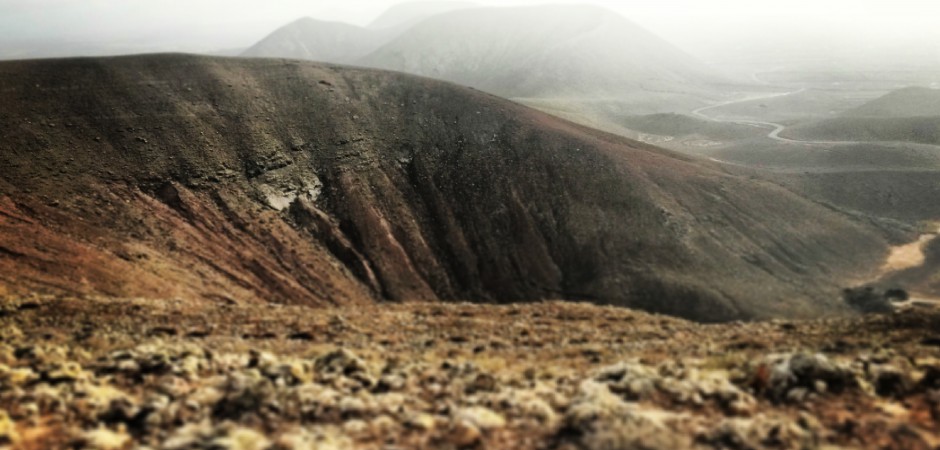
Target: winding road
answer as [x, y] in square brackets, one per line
[779, 128]
[901, 257]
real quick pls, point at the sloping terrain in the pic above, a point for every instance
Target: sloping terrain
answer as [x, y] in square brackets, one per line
[266, 180]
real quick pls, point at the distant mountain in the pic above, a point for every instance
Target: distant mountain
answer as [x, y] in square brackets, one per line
[256, 180]
[407, 14]
[907, 102]
[342, 43]
[317, 40]
[580, 54]
[542, 51]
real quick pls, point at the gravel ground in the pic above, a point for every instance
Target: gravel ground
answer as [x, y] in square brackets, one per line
[131, 373]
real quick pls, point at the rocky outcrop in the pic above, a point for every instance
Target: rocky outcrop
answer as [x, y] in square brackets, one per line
[429, 375]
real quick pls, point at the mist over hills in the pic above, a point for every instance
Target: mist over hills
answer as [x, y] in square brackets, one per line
[541, 51]
[317, 40]
[577, 53]
[403, 15]
[270, 180]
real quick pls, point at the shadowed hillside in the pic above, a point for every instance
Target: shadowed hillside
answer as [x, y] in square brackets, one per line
[264, 180]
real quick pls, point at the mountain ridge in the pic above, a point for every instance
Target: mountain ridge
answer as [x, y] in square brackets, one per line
[293, 182]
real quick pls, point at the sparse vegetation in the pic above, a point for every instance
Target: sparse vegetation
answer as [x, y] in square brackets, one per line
[870, 299]
[545, 376]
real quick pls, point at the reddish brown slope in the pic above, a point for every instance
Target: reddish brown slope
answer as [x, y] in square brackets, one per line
[295, 182]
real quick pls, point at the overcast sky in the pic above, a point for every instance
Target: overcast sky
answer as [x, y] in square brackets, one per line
[699, 26]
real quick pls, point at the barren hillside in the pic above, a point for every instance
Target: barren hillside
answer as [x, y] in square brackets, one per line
[292, 182]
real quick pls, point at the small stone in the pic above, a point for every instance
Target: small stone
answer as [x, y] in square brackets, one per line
[242, 439]
[300, 372]
[464, 434]
[481, 383]
[391, 383]
[798, 395]
[340, 362]
[352, 406]
[820, 386]
[890, 381]
[742, 407]
[483, 418]
[15, 377]
[65, 373]
[423, 422]
[105, 439]
[8, 433]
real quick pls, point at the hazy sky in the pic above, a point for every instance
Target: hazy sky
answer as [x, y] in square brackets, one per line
[699, 26]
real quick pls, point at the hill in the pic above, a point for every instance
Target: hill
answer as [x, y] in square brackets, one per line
[907, 102]
[318, 40]
[923, 130]
[341, 43]
[542, 51]
[906, 115]
[275, 181]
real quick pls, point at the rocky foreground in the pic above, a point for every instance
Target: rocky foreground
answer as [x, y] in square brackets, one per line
[113, 374]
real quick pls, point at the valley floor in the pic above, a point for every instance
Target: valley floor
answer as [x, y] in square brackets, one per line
[121, 373]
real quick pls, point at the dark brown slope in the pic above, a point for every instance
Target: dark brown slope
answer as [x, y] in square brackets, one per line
[262, 180]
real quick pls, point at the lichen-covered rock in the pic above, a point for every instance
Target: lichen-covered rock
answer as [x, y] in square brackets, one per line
[340, 365]
[241, 439]
[313, 438]
[599, 420]
[483, 418]
[681, 385]
[8, 433]
[14, 377]
[758, 433]
[632, 380]
[421, 421]
[244, 393]
[105, 439]
[796, 377]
